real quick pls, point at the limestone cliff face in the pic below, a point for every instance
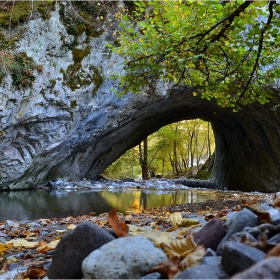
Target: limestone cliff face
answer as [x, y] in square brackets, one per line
[70, 123]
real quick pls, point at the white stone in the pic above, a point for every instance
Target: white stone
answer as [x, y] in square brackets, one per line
[123, 258]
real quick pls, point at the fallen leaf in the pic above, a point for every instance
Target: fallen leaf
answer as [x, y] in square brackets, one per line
[23, 243]
[179, 248]
[276, 200]
[173, 272]
[175, 218]
[194, 258]
[210, 216]
[35, 272]
[155, 236]
[60, 230]
[261, 244]
[167, 269]
[71, 226]
[20, 276]
[238, 207]
[4, 268]
[53, 244]
[263, 215]
[275, 252]
[121, 229]
[188, 222]
[4, 247]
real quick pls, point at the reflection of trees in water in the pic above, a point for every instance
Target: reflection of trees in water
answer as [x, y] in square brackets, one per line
[20, 205]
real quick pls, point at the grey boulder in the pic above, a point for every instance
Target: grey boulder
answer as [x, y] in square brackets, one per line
[238, 257]
[211, 234]
[74, 247]
[203, 271]
[244, 218]
[124, 258]
[265, 269]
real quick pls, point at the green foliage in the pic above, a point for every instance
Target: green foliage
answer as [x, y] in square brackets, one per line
[20, 67]
[223, 48]
[127, 166]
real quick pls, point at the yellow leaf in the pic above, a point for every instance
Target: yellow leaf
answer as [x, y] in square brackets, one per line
[179, 248]
[155, 236]
[194, 258]
[71, 226]
[175, 218]
[61, 230]
[53, 244]
[4, 247]
[22, 243]
[188, 222]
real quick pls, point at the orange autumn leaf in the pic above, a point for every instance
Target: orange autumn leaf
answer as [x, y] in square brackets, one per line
[263, 215]
[168, 269]
[276, 201]
[120, 228]
[275, 252]
[35, 272]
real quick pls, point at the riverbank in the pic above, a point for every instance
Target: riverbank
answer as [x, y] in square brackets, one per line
[155, 183]
[27, 244]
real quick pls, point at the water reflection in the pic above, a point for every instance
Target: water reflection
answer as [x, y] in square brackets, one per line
[36, 204]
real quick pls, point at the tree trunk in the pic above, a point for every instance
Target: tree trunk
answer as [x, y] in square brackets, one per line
[143, 158]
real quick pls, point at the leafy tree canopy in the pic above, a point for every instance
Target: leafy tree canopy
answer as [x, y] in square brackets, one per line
[228, 49]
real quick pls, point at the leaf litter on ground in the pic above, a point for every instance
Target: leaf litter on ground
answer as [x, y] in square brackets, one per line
[29, 244]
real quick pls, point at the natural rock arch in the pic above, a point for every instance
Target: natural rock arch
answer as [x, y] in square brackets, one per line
[247, 142]
[56, 130]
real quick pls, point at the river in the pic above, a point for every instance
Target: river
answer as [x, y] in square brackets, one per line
[36, 204]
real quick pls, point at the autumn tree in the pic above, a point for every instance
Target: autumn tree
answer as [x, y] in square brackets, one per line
[228, 49]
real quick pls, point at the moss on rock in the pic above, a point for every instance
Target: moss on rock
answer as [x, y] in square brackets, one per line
[205, 171]
[20, 67]
[81, 18]
[14, 13]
